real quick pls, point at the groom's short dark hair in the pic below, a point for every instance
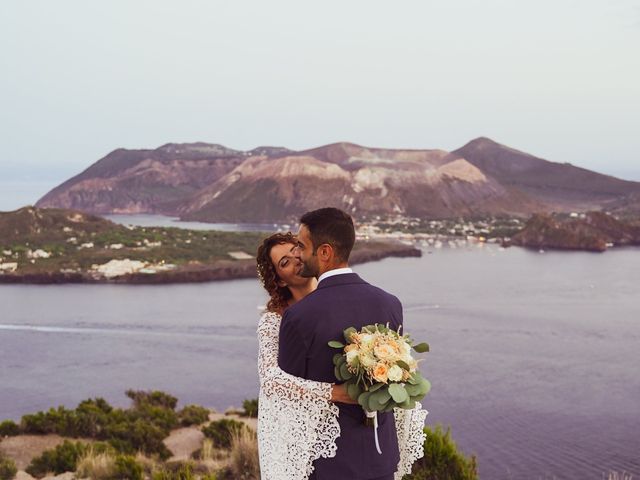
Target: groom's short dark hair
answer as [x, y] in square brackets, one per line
[333, 226]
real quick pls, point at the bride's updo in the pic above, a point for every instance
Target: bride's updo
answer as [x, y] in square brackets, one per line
[279, 296]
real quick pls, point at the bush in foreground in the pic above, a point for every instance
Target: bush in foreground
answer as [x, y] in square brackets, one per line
[193, 415]
[221, 431]
[250, 408]
[8, 468]
[63, 458]
[442, 460]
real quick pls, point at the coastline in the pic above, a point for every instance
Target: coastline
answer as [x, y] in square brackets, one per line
[195, 273]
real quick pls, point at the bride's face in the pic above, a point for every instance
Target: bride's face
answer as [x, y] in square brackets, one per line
[287, 266]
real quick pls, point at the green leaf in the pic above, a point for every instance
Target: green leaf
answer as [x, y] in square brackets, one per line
[421, 347]
[336, 372]
[347, 334]
[425, 386]
[363, 399]
[398, 393]
[336, 344]
[414, 379]
[412, 390]
[383, 397]
[375, 387]
[408, 403]
[353, 390]
[355, 363]
[344, 372]
[402, 364]
[336, 357]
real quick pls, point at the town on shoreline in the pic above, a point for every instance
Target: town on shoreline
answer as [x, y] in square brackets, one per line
[39, 245]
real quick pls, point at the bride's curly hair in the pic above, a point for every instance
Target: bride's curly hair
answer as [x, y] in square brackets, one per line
[279, 296]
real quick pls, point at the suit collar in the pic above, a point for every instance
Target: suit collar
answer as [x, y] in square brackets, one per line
[343, 279]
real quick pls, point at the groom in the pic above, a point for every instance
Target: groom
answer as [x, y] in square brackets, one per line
[342, 300]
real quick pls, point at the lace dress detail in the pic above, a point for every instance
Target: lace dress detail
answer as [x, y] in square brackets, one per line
[411, 437]
[298, 422]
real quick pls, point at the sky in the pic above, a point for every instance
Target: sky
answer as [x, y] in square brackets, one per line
[559, 79]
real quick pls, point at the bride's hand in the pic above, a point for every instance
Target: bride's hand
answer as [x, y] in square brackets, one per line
[339, 395]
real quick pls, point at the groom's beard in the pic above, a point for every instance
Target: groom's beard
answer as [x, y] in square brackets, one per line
[308, 271]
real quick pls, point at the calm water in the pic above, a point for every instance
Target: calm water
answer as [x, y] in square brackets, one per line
[533, 358]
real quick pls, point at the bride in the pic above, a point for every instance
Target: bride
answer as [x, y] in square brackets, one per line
[298, 418]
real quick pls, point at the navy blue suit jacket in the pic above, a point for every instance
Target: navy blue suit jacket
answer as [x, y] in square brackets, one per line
[339, 302]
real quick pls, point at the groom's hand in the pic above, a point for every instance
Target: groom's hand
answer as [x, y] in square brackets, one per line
[339, 395]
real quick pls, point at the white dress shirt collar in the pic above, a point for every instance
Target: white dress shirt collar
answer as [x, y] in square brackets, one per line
[336, 271]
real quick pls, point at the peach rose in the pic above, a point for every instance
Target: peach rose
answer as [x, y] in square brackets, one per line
[380, 372]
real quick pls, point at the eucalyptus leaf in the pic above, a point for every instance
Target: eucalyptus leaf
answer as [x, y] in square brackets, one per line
[372, 402]
[336, 344]
[375, 387]
[383, 397]
[336, 357]
[414, 379]
[404, 365]
[398, 393]
[336, 372]
[425, 386]
[344, 372]
[412, 390]
[347, 334]
[363, 399]
[421, 347]
[353, 390]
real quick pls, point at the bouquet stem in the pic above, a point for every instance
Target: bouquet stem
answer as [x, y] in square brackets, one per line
[372, 420]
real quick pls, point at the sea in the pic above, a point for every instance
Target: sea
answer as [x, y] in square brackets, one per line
[533, 361]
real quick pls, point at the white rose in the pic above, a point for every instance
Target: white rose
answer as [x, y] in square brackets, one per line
[395, 374]
[352, 355]
[367, 360]
[367, 339]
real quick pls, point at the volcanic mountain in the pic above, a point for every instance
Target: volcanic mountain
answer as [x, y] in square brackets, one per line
[213, 183]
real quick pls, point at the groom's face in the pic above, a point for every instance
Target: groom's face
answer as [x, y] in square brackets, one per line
[306, 253]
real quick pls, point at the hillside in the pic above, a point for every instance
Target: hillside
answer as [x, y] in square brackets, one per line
[209, 182]
[594, 231]
[59, 246]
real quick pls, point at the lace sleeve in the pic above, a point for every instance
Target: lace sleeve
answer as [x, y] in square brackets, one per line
[411, 437]
[297, 422]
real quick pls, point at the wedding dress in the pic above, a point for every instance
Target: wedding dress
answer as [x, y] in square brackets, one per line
[298, 422]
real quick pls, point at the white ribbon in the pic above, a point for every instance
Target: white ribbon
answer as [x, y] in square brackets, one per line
[374, 415]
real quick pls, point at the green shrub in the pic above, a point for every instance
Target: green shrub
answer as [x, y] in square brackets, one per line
[129, 437]
[63, 458]
[250, 408]
[9, 428]
[91, 417]
[8, 468]
[127, 467]
[220, 431]
[442, 460]
[52, 421]
[193, 415]
[155, 398]
[175, 471]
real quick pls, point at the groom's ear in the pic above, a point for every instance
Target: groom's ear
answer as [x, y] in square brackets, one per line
[325, 252]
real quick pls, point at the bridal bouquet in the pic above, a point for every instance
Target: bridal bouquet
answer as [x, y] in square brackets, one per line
[378, 369]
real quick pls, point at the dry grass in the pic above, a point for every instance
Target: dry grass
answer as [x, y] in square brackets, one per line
[96, 466]
[243, 458]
